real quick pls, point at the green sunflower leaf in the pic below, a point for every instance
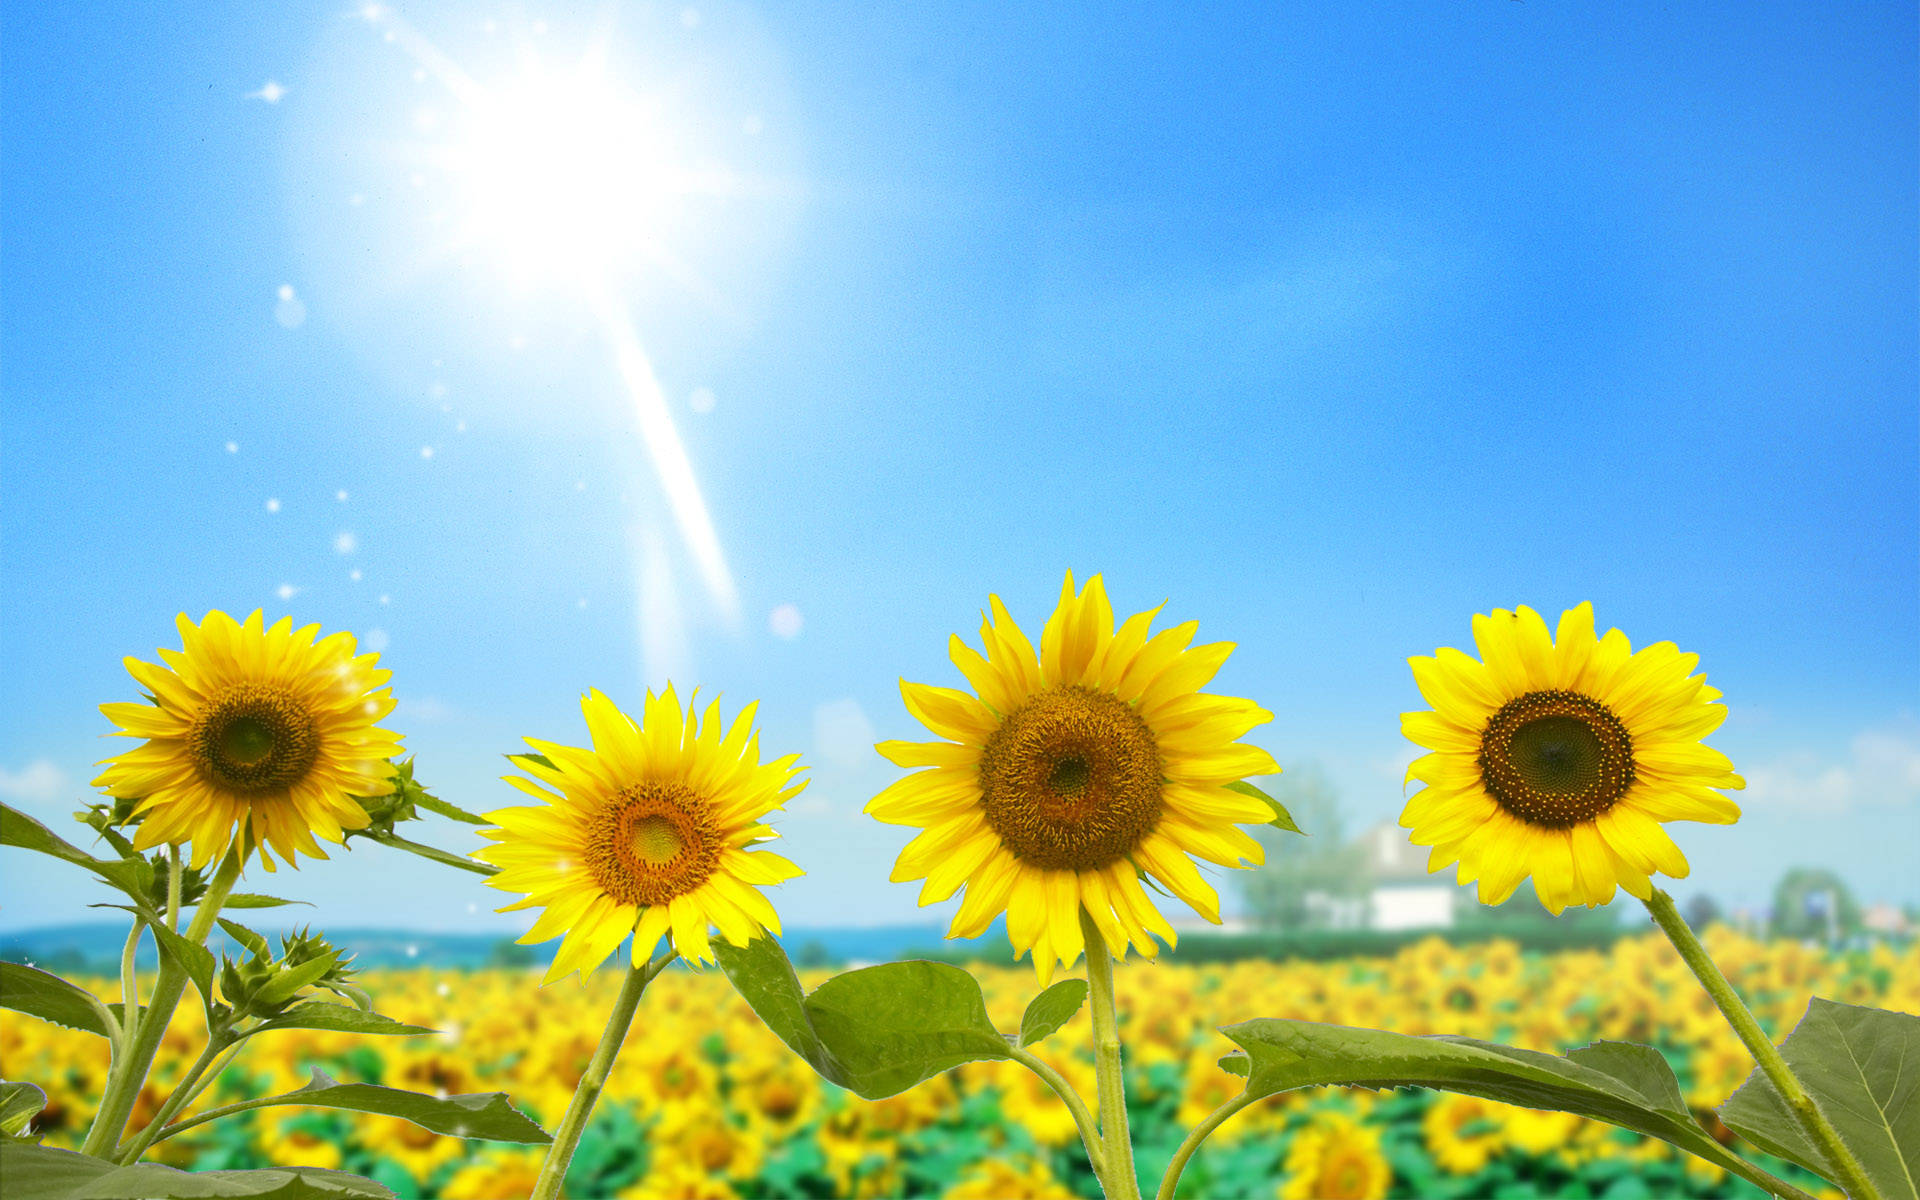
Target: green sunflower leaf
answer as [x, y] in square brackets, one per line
[45, 995]
[43, 1173]
[488, 1116]
[900, 1024]
[196, 960]
[765, 979]
[1862, 1067]
[19, 1104]
[343, 1018]
[255, 900]
[1620, 1083]
[1051, 1009]
[133, 876]
[1282, 819]
[876, 1031]
[255, 944]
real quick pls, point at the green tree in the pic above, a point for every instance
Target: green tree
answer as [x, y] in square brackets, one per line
[1814, 903]
[1322, 863]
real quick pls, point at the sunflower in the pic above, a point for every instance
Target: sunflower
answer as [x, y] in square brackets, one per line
[1463, 1132]
[1336, 1158]
[646, 833]
[264, 733]
[1067, 776]
[1558, 757]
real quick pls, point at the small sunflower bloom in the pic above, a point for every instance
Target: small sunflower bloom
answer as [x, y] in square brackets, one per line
[1558, 757]
[647, 833]
[263, 733]
[1068, 776]
[1336, 1158]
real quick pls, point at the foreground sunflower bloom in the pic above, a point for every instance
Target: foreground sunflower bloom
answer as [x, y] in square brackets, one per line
[1558, 757]
[264, 733]
[1067, 776]
[647, 833]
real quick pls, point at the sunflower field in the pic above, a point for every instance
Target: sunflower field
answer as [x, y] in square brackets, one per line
[708, 1103]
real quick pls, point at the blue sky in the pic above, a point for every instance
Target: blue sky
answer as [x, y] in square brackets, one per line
[1331, 326]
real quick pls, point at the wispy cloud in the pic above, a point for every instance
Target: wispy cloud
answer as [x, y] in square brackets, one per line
[39, 787]
[1880, 768]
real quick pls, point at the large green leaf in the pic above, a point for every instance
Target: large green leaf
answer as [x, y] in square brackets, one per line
[47, 996]
[19, 1103]
[344, 1018]
[1618, 1082]
[1051, 1009]
[1862, 1067]
[765, 979]
[41, 1173]
[485, 1115]
[898, 1024]
[132, 875]
[876, 1031]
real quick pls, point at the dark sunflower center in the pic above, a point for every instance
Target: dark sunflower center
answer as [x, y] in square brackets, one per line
[1071, 779]
[652, 842]
[1556, 758]
[255, 738]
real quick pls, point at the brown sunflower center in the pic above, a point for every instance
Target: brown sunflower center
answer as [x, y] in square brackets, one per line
[254, 738]
[1071, 779]
[652, 842]
[1556, 758]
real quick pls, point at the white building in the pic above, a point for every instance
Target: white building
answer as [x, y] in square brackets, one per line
[1404, 895]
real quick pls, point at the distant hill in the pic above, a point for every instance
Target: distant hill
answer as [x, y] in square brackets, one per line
[95, 948]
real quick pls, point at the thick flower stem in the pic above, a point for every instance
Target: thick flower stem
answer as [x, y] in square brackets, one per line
[1851, 1176]
[1122, 1179]
[553, 1172]
[129, 1074]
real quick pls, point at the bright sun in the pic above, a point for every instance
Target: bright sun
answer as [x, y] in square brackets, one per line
[563, 178]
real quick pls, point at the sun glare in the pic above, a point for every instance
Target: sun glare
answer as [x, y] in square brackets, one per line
[562, 177]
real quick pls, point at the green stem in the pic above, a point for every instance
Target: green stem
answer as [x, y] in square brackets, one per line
[444, 857]
[553, 1172]
[129, 986]
[1123, 1178]
[128, 1076]
[1198, 1134]
[1806, 1112]
[1089, 1132]
[208, 1080]
[173, 888]
[183, 1092]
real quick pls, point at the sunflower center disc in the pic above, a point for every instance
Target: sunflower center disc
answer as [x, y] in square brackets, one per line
[652, 842]
[255, 738]
[1556, 758]
[1071, 779]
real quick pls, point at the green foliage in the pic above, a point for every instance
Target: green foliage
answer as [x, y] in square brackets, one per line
[1811, 903]
[341, 1018]
[1276, 893]
[1618, 1082]
[38, 994]
[1862, 1067]
[876, 1031]
[1051, 1009]
[19, 1104]
[486, 1115]
[40, 1173]
[1282, 819]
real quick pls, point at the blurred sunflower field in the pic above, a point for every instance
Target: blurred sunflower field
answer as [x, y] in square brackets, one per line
[707, 1103]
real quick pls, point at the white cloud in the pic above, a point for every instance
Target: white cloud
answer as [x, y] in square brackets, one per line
[427, 710]
[842, 734]
[1881, 767]
[38, 785]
